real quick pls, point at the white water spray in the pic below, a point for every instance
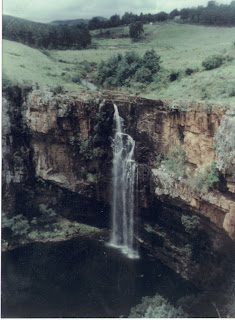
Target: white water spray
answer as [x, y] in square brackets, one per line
[123, 190]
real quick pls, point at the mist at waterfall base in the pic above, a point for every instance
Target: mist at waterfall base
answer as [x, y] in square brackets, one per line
[123, 190]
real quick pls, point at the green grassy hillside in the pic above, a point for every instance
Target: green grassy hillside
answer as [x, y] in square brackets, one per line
[24, 64]
[180, 46]
[44, 35]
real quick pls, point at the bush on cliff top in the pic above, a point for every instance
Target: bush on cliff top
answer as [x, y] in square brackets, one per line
[121, 69]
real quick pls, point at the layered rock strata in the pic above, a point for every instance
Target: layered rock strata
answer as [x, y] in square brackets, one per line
[70, 142]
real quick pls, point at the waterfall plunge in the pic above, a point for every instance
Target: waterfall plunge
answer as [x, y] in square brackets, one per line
[123, 190]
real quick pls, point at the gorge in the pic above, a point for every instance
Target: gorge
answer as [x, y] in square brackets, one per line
[58, 153]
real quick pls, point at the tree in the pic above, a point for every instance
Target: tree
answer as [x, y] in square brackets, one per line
[213, 62]
[95, 23]
[184, 14]
[173, 14]
[136, 30]
[151, 60]
[83, 35]
[143, 75]
[161, 16]
[115, 21]
[129, 17]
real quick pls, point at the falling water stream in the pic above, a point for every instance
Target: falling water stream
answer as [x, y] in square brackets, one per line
[123, 190]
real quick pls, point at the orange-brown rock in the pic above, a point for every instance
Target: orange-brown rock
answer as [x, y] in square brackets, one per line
[159, 125]
[67, 143]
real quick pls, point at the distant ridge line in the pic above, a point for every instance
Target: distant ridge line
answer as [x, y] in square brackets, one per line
[75, 21]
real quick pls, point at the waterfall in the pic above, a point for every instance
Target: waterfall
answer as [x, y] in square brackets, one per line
[123, 190]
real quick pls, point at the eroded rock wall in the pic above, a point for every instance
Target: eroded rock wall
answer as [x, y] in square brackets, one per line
[157, 127]
[70, 143]
[17, 168]
[167, 199]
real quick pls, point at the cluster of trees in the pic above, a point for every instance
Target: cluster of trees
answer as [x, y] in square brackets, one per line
[212, 14]
[126, 19]
[121, 69]
[45, 36]
[77, 36]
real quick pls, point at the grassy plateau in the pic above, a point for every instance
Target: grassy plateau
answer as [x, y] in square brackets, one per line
[180, 46]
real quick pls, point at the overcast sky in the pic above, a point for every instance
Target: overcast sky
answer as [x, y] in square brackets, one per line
[49, 10]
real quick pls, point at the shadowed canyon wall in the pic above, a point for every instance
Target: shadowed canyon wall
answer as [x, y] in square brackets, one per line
[182, 219]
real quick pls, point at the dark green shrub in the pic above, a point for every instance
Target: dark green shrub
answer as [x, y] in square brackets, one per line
[102, 72]
[143, 75]
[128, 66]
[212, 62]
[58, 90]
[190, 223]
[123, 73]
[120, 70]
[133, 57]
[176, 161]
[109, 69]
[156, 307]
[47, 214]
[17, 226]
[186, 251]
[159, 159]
[174, 75]
[87, 66]
[7, 85]
[111, 81]
[14, 90]
[151, 61]
[202, 181]
[211, 175]
[189, 71]
[76, 78]
[136, 30]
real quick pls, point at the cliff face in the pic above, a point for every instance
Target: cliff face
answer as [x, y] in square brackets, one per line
[193, 131]
[159, 126]
[16, 165]
[183, 219]
[70, 139]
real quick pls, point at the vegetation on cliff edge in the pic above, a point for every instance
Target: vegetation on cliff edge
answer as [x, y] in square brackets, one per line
[182, 48]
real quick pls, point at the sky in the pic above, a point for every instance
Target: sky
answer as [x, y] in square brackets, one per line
[49, 10]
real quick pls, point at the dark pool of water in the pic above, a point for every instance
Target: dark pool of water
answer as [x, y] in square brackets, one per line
[81, 279]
